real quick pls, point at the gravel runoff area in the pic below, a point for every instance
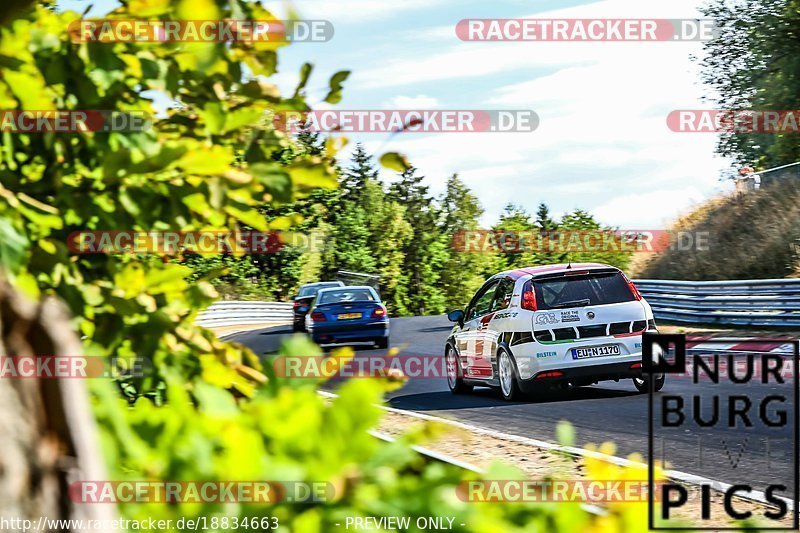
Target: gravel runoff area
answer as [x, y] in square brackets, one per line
[479, 450]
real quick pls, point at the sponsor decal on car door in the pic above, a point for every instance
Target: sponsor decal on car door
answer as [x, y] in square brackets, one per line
[476, 342]
[485, 347]
[475, 346]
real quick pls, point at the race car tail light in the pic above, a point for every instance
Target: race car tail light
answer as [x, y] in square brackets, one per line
[317, 316]
[552, 374]
[528, 296]
[636, 365]
[378, 312]
[634, 290]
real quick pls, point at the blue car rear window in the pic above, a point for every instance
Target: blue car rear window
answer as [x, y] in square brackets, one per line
[346, 295]
[312, 290]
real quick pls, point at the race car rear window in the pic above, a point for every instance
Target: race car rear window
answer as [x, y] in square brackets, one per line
[581, 290]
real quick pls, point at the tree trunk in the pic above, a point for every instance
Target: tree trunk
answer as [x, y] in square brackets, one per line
[47, 430]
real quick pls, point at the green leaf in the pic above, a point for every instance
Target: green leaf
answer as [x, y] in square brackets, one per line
[251, 217]
[275, 180]
[395, 161]
[42, 221]
[239, 118]
[305, 72]
[310, 174]
[335, 94]
[213, 400]
[333, 145]
[197, 202]
[206, 160]
[129, 282]
[170, 278]
[12, 246]
[214, 117]
[129, 203]
[29, 90]
[565, 433]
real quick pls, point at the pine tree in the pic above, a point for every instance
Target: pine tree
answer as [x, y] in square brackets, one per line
[465, 271]
[310, 142]
[426, 251]
[355, 177]
[543, 220]
[460, 208]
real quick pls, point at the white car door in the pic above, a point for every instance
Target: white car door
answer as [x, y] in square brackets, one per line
[474, 340]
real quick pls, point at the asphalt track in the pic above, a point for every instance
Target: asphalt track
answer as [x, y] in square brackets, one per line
[609, 411]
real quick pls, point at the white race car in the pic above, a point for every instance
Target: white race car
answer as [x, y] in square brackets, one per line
[551, 326]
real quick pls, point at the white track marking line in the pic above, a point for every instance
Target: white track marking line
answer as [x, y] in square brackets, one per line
[676, 475]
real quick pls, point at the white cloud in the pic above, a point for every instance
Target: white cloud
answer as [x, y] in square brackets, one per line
[602, 143]
[420, 101]
[474, 59]
[635, 211]
[350, 11]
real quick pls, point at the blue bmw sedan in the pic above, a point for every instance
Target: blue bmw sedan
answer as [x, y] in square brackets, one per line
[348, 314]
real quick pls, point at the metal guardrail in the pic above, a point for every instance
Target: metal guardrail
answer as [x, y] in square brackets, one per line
[235, 313]
[759, 302]
[756, 302]
[750, 181]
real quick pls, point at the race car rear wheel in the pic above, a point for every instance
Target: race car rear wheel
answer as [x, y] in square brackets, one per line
[454, 379]
[507, 375]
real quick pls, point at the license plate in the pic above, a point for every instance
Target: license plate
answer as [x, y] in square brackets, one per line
[596, 351]
[349, 316]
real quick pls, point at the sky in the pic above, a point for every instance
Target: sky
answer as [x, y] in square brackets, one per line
[602, 144]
